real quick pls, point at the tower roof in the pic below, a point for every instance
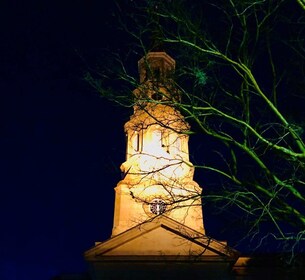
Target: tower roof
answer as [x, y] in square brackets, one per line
[155, 66]
[156, 71]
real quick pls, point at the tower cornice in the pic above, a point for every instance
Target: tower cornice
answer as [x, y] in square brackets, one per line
[156, 65]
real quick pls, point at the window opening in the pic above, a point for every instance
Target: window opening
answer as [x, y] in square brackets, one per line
[156, 74]
[157, 96]
[137, 141]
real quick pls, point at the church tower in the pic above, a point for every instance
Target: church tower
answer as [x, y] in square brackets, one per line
[158, 176]
[158, 230]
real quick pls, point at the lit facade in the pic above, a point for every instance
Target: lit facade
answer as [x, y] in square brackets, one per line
[158, 176]
[158, 222]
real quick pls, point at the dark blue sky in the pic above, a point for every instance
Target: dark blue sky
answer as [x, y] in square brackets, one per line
[61, 144]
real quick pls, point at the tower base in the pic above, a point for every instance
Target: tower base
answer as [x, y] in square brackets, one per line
[160, 249]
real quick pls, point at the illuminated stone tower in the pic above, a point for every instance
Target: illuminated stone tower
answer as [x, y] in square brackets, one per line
[158, 221]
[158, 177]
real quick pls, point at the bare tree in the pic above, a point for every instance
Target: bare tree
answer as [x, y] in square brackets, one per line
[241, 75]
[302, 3]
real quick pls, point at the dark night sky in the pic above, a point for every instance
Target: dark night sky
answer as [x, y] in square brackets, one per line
[61, 144]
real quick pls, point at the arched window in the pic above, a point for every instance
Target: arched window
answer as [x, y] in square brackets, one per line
[137, 141]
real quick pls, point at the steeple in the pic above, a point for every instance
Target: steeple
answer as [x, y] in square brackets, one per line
[158, 230]
[156, 71]
[158, 176]
[156, 66]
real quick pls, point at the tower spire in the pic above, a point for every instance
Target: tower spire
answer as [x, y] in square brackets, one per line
[158, 176]
[156, 71]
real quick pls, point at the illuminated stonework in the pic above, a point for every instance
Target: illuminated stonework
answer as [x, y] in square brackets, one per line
[157, 165]
[158, 228]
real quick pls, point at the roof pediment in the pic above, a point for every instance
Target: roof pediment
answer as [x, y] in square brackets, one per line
[161, 236]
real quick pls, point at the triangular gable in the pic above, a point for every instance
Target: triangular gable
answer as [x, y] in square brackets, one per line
[160, 237]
